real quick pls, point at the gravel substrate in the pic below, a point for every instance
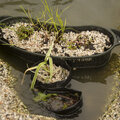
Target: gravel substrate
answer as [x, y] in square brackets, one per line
[73, 44]
[11, 107]
[59, 74]
[113, 107]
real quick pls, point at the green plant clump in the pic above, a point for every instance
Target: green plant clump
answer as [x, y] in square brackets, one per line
[43, 97]
[24, 32]
[49, 16]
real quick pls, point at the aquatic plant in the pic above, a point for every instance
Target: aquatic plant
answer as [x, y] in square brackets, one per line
[43, 97]
[28, 14]
[24, 32]
[42, 65]
[55, 19]
[49, 17]
[54, 23]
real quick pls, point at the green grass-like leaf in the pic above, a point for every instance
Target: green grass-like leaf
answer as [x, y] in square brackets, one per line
[51, 67]
[41, 65]
[36, 72]
[49, 52]
[28, 14]
[29, 69]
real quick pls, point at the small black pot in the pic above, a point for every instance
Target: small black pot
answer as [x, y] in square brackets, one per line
[60, 84]
[70, 111]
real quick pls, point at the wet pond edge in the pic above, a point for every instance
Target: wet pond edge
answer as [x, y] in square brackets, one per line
[11, 107]
[7, 82]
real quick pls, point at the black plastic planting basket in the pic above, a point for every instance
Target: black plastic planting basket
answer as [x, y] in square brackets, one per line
[72, 110]
[92, 61]
[59, 84]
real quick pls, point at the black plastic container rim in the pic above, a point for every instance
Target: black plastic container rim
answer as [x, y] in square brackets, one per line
[2, 18]
[115, 43]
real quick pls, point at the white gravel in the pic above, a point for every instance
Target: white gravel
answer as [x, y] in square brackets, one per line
[11, 107]
[59, 74]
[112, 111]
[40, 42]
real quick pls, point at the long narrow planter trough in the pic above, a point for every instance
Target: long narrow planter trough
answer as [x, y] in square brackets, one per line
[92, 61]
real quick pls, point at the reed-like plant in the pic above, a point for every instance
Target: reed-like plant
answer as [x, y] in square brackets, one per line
[49, 17]
[41, 65]
[28, 14]
[55, 19]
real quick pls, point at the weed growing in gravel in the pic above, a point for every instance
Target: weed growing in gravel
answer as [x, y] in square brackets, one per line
[24, 32]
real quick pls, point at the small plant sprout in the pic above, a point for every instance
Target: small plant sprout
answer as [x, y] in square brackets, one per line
[24, 32]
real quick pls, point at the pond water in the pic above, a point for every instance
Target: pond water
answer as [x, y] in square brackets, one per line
[80, 12]
[95, 84]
